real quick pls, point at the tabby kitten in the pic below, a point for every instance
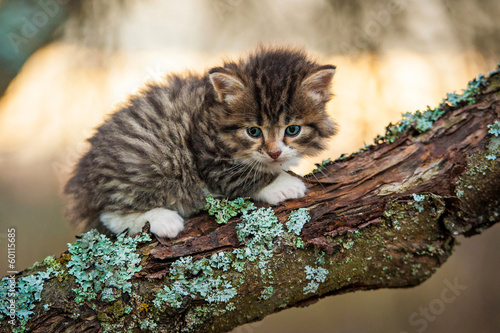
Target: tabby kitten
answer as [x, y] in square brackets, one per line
[232, 131]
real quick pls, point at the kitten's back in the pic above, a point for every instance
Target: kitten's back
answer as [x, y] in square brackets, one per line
[135, 153]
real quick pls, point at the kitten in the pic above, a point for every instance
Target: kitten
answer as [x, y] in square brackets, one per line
[232, 131]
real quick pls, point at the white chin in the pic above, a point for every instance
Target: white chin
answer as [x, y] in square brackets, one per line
[282, 165]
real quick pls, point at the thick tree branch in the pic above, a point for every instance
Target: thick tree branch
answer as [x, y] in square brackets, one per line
[385, 217]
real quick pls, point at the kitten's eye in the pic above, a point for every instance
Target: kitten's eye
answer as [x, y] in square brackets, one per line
[292, 130]
[254, 132]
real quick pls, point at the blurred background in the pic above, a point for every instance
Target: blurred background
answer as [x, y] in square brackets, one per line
[65, 65]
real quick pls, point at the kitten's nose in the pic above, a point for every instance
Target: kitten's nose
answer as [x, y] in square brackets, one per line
[274, 155]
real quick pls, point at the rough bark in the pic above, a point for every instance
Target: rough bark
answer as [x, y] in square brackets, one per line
[385, 217]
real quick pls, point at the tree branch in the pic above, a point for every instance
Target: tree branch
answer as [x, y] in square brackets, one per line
[385, 217]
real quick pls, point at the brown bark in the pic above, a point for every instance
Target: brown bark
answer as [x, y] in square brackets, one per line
[367, 229]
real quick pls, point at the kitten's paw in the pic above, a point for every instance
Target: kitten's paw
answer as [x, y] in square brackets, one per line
[282, 188]
[164, 222]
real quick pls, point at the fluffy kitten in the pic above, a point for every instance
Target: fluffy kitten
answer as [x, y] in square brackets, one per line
[232, 132]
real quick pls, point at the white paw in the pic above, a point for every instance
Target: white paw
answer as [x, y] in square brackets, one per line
[282, 188]
[164, 222]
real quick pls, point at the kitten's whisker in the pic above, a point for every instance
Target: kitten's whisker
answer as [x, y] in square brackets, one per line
[314, 175]
[258, 164]
[324, 174]
[237, 166]
[234, 167]
[255, 162]
[255, 173]
[261, 165]
[243, 172]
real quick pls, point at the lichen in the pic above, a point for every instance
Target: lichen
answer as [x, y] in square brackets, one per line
[494, 128]
[148, 324]
[259, 228]
[208, 279]
[315, 276]
[418, 201]
[320, 260]
[51, 262]
[267, 292]
[347, 245]
[323, 164]
[297, 219]
[258, 231]
[224, 209]
[423, 121]
[103, 266]
[220, 260]
[195, 280]
[18, 297]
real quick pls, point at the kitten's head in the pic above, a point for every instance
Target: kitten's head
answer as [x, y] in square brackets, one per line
[271, 107]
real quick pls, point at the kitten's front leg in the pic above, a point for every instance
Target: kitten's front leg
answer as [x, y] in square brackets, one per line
[163, 222]
[282, 188]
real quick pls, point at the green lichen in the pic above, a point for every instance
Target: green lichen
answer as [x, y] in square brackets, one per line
[220, 260]
[347, 245]
[195, 280]
[258, 230]
[224, 209]
[148, 324]
[320, 260]
[475, 179]
[299, 243]
[102, 266]
[315, 276]
[494, 128]
[423, 121]
[469, 95]
[18, 297]
[297, 219]
[323, 164]
[418, 201]
[208, 279]
[51, 262]
[267, 292]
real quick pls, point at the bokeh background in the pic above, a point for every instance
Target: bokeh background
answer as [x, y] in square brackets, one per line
[65, 65]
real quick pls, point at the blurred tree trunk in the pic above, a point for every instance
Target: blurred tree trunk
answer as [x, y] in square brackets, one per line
[385, 217]
[26, 26]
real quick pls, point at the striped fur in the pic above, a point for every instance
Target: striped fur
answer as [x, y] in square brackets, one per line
[179, 140]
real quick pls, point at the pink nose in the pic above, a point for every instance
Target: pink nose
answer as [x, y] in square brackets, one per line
[274, 155]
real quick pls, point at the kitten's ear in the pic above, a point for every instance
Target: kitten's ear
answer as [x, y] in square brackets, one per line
[318, 83]
[227, 86]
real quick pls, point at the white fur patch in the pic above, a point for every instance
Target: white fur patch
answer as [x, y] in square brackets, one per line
[282, 188]
[164, 222]
[118, 223]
